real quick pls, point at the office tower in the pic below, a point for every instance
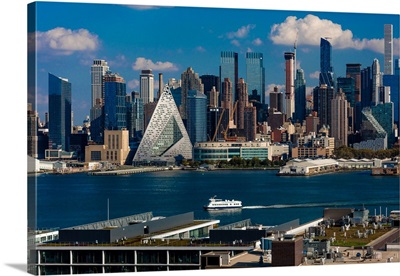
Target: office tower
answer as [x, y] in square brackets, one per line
[197, 116]
[393, 81]
[176, 90]
[339, 124]
[289, 84]
[276, 100]
[135, 116]
[299, 97]
[211, 82]
[147, 86]
[388, 49]
[189, 81]
[255, 74]
[353, 70]
[114, 101]
[243, 102]
[322, 97]
[326, 69]
[366, 87]
[165, 139]
[213, 97]
[215, 123]
[229, 69]
[60, 121]
[98, 70]
[376, 81]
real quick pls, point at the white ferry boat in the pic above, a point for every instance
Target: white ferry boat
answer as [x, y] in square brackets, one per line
[218, 204]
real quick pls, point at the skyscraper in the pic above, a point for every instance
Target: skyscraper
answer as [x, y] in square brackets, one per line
[255, 74]
[147, 86]
[228, 68]
[189, 81]
[211, 83]
[366, 87]
[388, 49]
[197, 116]
[60, 112]
[322, 97]
[353, 70]
[326, 69]
[135, 116]
[339, 121]
[393, 81]
[114, 102]
[376, 81]
[98, 70]
[242, 99]
[299, 96]
[289, 84]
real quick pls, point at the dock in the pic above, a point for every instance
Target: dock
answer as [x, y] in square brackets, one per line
[129, 171]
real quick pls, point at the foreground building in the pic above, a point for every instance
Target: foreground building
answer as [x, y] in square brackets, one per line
[165, 139]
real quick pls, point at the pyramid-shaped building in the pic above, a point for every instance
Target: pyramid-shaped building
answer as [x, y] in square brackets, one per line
[166, 138]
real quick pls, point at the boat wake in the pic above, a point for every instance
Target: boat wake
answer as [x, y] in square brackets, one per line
[326, 204]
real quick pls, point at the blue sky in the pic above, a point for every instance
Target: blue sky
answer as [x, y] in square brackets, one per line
[170, 39]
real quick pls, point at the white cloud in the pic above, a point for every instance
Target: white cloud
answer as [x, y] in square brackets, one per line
[314, 75]
[270, 87]
[132, 84]
[257, 42]
[142, 64]
[66, 41]
[310, 29]
[241, 32]
[142, 7]
[200, 49]
[235, 42]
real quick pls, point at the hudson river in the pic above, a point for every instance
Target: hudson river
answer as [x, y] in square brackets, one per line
[74, 199]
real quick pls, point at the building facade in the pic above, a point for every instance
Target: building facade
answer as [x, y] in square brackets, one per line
[388, 49]
[255, 74]
[197, 116]
[326, 75]
[229, 66]
[299, 96]
[165, 139]
[289, 84]
[147, 86]
[114, 101]
[340, 124]
[60, 112]
[115, 149]
[189, 81]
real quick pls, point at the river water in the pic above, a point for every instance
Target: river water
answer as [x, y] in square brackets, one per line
[74, 199]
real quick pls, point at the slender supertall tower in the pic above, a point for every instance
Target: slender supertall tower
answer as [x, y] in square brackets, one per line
[376, 81]
[388, 49]
[289, 84]
[160, 85]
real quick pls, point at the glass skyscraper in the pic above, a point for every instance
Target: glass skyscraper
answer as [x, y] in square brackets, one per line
[326, 69]
[115, 102]
[147, 86]
[60, 112]
[299, 96]
[228, 68]
[197, 116]
[388, 49]
[255, 74]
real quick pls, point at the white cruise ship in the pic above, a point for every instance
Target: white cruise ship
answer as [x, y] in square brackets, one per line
[218, 204]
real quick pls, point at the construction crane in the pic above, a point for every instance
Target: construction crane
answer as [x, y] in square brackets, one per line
[218, 124]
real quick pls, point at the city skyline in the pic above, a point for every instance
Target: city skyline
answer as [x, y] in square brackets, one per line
[67, 45]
